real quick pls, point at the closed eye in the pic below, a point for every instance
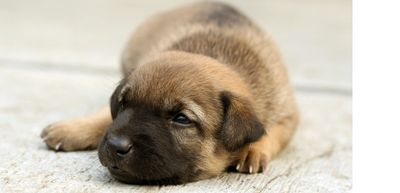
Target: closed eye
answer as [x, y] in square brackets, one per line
[182, 119]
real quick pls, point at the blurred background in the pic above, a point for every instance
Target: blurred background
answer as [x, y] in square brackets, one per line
[60, 59]
[314, 35]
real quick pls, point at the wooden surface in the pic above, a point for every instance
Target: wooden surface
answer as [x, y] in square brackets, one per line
[59, 60]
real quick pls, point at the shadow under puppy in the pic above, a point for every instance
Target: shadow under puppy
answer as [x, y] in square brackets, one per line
[203, 89]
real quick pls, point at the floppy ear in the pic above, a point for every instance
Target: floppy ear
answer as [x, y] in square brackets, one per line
[240, 124]
[115, 99]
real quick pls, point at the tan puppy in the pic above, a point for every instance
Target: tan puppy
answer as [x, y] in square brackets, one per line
[203, 89]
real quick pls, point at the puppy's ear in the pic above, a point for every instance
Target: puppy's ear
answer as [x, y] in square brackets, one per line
[115, 100]
[240, 124]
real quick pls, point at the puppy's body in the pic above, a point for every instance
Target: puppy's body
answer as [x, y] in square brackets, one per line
[227, 76]
[222, 33]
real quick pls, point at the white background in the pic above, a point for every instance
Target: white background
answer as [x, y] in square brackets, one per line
[376, 31]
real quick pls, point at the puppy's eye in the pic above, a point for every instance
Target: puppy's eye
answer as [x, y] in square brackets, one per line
[181, 119]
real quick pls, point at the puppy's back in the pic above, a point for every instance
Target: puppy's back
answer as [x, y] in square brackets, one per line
[161, 31]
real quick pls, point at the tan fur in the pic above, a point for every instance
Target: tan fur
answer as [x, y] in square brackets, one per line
[169, 49]
[78, 134]
[255, 157]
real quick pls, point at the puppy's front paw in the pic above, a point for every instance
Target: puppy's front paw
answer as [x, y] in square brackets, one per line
[252, 161]
[68, 136]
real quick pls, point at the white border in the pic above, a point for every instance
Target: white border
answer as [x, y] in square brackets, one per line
[376, 83]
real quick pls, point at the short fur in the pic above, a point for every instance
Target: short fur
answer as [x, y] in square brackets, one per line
[210, 63]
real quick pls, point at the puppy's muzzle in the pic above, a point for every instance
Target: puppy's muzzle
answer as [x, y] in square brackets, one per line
[118, 149]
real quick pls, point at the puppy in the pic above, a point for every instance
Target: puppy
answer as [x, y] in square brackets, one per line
[203, 89]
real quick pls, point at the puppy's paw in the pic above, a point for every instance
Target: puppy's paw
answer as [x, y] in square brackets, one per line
[68, 136]
[252, 161]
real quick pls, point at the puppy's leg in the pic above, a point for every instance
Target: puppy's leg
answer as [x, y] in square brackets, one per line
[77, 134]
[255, 157]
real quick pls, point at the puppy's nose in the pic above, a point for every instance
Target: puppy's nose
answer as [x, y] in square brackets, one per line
[119, 144]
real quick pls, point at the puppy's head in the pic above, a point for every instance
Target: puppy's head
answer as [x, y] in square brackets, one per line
[177, 119]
